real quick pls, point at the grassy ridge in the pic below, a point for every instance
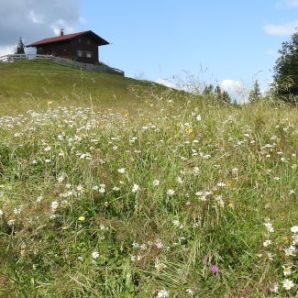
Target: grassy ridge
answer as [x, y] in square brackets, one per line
[187, 198]
[35, 83]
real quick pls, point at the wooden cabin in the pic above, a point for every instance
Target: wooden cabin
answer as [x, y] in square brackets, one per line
[81, 46]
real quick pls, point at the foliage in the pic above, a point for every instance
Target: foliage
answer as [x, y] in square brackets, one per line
[286, 71]
[20, 47]
[217, 93]
[255, 94]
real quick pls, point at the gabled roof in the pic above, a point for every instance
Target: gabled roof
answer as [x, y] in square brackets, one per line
[56, 39]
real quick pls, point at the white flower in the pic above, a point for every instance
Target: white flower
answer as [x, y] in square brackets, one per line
[121, 171]
[60, 179]
[39, 199]
[266, 243]
[287, 270]
[269, 227]
[162, 294]
[189, 292]
[288, 284]
[294, 229]
[54, 206]
[170, 192]
[1, 212]
[11, 222]
[47, 149]
[115, 188]
[95, 255]
[199, 118]
[80, 188]
[290, 251]
[135, 188]
[156, 182]
[295, 239]
[274, 289]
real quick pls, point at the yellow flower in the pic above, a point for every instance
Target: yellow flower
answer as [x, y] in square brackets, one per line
[188, 130]
[82, 218]
[50, 102]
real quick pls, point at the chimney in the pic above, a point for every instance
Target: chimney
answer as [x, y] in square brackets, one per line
[61, 32]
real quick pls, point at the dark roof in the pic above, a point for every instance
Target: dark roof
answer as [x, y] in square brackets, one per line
[100, 40]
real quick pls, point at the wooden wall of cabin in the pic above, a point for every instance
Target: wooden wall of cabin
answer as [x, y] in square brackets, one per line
[70, 49]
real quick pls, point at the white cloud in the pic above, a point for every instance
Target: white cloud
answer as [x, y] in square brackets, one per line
[232, 86]
[236, 89]
[166, 83]
[6, 50]
[36, 19]
[281, 30]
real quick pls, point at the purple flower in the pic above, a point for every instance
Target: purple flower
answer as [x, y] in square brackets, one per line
[214, 269]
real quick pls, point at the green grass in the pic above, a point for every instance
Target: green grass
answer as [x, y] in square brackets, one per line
[28, 84]
[75, 224]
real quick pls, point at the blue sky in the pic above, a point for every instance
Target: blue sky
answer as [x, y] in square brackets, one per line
[213, 40]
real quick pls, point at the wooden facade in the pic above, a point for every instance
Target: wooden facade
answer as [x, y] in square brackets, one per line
[81, 47]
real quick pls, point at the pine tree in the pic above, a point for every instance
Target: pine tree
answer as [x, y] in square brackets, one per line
[286, 71]
[225, 96]
[255, 94]
[21, 47]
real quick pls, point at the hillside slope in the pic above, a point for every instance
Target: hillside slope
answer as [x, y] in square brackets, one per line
[35, 83]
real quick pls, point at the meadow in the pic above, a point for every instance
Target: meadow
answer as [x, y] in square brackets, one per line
[112, 187]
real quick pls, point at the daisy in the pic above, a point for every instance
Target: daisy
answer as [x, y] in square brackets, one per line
[135, 188]
[95, 255]
[288, 284]
[294, 229]
[170, 192]
[162, 294]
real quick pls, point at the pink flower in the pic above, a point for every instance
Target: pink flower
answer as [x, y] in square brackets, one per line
[214, 269]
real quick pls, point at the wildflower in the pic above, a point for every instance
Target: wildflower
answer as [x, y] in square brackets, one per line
[214, 269]
[274, 289]
[115, 188]
[156, 182]
[39, 199]
[287, 270]
[135, 188]
[11, 222]
[199, 118]
[82, 218]
[60, 179]
[162, 294]
[294, 229]
[290, 251]
[54, 206]
[159, 266]
[288, 284]
[1, 212]
[47, 149]
[269, 227]
[189, 292]
[121, 171]
[266, 243]
[80, 188]
[95, 255]
[170, 192]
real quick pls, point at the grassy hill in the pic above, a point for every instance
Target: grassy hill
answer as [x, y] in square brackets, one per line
[35, 83]
[187, 198]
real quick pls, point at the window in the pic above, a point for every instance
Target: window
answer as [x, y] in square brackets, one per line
[79, 53]
[88, 41]
[88, 54]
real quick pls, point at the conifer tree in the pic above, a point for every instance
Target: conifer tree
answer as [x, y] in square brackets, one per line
[21, 47]
[255, 94]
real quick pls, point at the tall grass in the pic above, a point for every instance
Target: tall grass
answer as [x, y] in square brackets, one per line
[181, 198]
